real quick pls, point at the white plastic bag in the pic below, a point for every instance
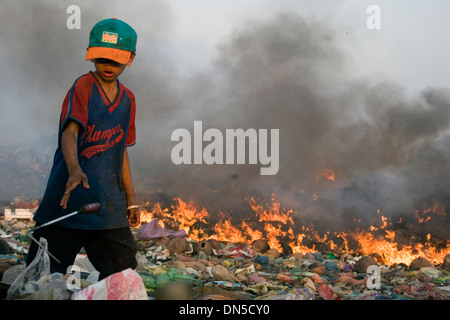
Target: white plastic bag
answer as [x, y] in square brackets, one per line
[25, 283]
[125, 285]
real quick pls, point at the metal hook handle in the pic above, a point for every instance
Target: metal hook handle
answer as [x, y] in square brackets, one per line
[86, 209]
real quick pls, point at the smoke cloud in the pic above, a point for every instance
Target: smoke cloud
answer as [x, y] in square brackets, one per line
[389, 150]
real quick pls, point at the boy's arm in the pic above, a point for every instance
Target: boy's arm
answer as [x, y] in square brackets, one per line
[69, 140]
[133, 212]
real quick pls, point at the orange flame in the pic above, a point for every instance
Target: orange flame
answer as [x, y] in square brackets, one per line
[276, 225]
[426, 214]
[327, 174]
[272, 214]
[388, 249]
[225, 230]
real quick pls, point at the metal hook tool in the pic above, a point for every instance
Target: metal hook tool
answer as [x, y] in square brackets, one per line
[86, 209]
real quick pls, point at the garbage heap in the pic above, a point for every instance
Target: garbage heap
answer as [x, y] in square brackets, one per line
[172, 267]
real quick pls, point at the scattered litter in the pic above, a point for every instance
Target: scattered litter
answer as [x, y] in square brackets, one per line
[152, 230]
[125, 285]
[172, 266]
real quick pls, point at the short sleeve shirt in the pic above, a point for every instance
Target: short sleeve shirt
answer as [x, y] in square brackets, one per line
[107, 127]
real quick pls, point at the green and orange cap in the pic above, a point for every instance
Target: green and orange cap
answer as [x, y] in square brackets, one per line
[112, 39]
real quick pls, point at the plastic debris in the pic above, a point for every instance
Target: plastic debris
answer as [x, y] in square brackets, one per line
[172, 266]
[152, 230]
[125, 285]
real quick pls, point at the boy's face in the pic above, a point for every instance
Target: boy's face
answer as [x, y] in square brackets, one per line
[108, 70]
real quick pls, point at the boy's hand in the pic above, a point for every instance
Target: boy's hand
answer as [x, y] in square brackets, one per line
[76, 178]
[134, 217]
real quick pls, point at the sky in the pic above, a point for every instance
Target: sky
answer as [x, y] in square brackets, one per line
[410, 48]
[411, 33]
[370, 104]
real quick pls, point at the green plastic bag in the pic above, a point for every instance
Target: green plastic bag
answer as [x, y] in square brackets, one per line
[152, 282]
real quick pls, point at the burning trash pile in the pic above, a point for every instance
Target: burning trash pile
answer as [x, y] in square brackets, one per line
[184, 255]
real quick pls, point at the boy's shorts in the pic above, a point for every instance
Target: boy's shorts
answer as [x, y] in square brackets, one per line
[109, 251]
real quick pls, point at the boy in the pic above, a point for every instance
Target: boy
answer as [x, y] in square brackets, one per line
[91, 163]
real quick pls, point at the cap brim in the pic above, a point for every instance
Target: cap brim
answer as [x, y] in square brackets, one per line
[119, 56]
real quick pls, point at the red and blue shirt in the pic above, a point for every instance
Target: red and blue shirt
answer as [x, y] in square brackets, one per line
[107, 128]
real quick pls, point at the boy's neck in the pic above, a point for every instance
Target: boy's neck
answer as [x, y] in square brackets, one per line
[110, 87]
[107, 85]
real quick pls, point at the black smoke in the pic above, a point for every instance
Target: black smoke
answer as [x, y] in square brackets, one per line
[389, 149]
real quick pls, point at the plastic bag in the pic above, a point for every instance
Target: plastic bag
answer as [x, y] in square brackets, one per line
[152, 281]
[152, 230]
[125, 285]
[25, 283]
[51, 287]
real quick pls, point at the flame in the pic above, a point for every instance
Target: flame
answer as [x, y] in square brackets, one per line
[327, 174]
[271, 214]
[253, 234]
[225, 230]
[273, 232]
[277, 226]
[391, 254]
[188, 213]
[425, 214]
[298, 247]
[146, 216]
[183, 214]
